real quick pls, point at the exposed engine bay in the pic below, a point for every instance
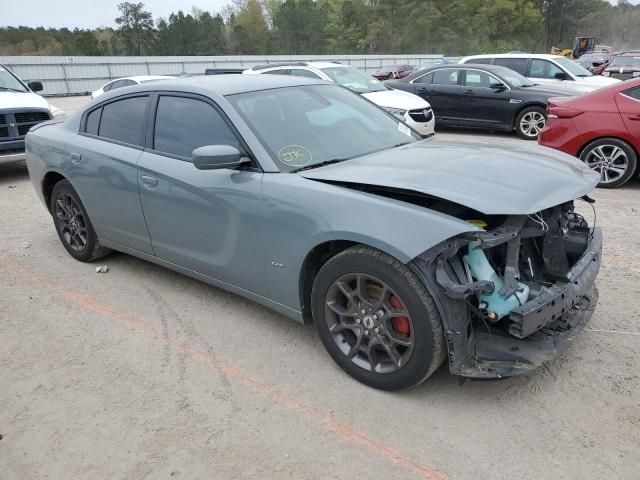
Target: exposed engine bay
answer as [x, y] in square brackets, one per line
[512, 294]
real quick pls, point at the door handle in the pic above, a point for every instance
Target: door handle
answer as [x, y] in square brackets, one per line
[75, 158]
[468, 92]
[635, 117]
[148, 181]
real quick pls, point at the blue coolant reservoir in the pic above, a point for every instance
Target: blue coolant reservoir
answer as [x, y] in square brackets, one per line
[481, 269]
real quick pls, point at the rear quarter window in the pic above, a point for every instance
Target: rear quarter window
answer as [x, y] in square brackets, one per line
[633, 93]
[517, 64]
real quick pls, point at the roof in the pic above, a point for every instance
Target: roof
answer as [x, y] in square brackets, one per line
[229, 84]
[511, 55]
[140, 78]
[298, 64]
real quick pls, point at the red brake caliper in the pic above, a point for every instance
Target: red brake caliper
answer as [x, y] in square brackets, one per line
[400, 324]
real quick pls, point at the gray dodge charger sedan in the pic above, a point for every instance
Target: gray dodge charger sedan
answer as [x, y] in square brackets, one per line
[309, 199]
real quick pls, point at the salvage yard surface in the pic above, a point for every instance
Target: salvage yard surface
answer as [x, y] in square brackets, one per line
[141, 372]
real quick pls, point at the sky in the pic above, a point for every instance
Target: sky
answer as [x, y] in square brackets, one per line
[88, 13]
[93, 13]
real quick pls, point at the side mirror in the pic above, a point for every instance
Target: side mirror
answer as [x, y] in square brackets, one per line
[561, 76]
[35, 86]
[498, 86]
[215, 157]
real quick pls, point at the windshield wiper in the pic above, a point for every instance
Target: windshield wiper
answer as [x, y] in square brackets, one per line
[11, 89]
[321, 164]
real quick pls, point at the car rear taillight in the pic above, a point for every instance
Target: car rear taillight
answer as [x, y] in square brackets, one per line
[555, 111]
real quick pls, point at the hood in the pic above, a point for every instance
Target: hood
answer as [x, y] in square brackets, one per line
[397, 99]
[22, 100]
[555, 90]
[598, 80]
[478, 174]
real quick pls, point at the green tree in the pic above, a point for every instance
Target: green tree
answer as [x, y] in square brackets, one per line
[135, 32]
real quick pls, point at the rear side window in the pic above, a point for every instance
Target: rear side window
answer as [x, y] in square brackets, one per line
[184, 124]
[633, 93]
[282, 71]
[93, 119]
[428, 78]
[123, 120]
[117, 84]
[446, 77]
[300, 72]
[517, 64]
[480, 61]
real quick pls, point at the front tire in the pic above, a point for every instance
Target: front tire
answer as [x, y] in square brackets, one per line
[73, 225]
[530, 122]
[377, 320]
[613, 159]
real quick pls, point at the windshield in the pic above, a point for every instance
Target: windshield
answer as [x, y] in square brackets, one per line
[625, 62]
[513, 78]
[8, 82]
[354, 79]
[572, 67]
[307, 125]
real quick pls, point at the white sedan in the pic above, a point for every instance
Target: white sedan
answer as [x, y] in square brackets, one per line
[411, 109]
[126, 82]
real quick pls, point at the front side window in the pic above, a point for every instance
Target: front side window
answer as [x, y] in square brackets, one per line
[183, 124]
[476, 78]
[123, 120]
[306, 125]
[517, 64]
[448, 76]
[480, 61]
[572, 67]
[544, 69]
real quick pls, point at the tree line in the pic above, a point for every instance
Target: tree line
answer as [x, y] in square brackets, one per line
[246, 27]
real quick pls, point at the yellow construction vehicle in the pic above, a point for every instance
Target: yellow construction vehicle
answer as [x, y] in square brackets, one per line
[581, 45]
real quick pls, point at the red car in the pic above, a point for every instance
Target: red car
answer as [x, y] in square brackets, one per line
[391, 72]
[601, 128]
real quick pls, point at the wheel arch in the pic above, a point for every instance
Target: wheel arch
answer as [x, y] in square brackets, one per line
[49, 181]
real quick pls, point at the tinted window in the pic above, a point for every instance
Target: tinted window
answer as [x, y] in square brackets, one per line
[128, 83]
[107, 87]
[299, 72]
[184, 124]
[124, 120]
[543, 69]
[428, 78]
[282, 71]
[517, 64]
[117, 84]
[476, 78]
[480, 61]
[633, 93]
[446, 77]
[92, 122]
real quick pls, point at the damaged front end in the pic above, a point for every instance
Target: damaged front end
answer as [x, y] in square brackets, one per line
[513, 294]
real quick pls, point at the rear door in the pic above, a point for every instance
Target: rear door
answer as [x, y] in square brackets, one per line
[482, 104]
[629, 106]
[442, 89]
[102, 167]
[208, 221]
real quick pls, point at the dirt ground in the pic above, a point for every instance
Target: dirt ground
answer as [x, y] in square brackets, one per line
[144, 373]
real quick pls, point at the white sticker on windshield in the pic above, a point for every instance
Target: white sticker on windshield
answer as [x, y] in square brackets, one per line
[404, 129]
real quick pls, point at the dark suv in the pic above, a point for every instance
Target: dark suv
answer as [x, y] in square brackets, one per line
[624, 66]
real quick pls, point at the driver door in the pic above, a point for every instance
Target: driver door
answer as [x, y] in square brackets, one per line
[208, 221]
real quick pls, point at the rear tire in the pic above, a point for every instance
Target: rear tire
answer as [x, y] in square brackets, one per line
[73, 225]
[613, 159]
[398, 341]
[530, 122]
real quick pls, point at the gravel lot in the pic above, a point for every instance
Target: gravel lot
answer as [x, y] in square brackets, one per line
[145, 373]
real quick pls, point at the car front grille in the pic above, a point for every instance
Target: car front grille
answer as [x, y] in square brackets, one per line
[421, 116]
[14, 124]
